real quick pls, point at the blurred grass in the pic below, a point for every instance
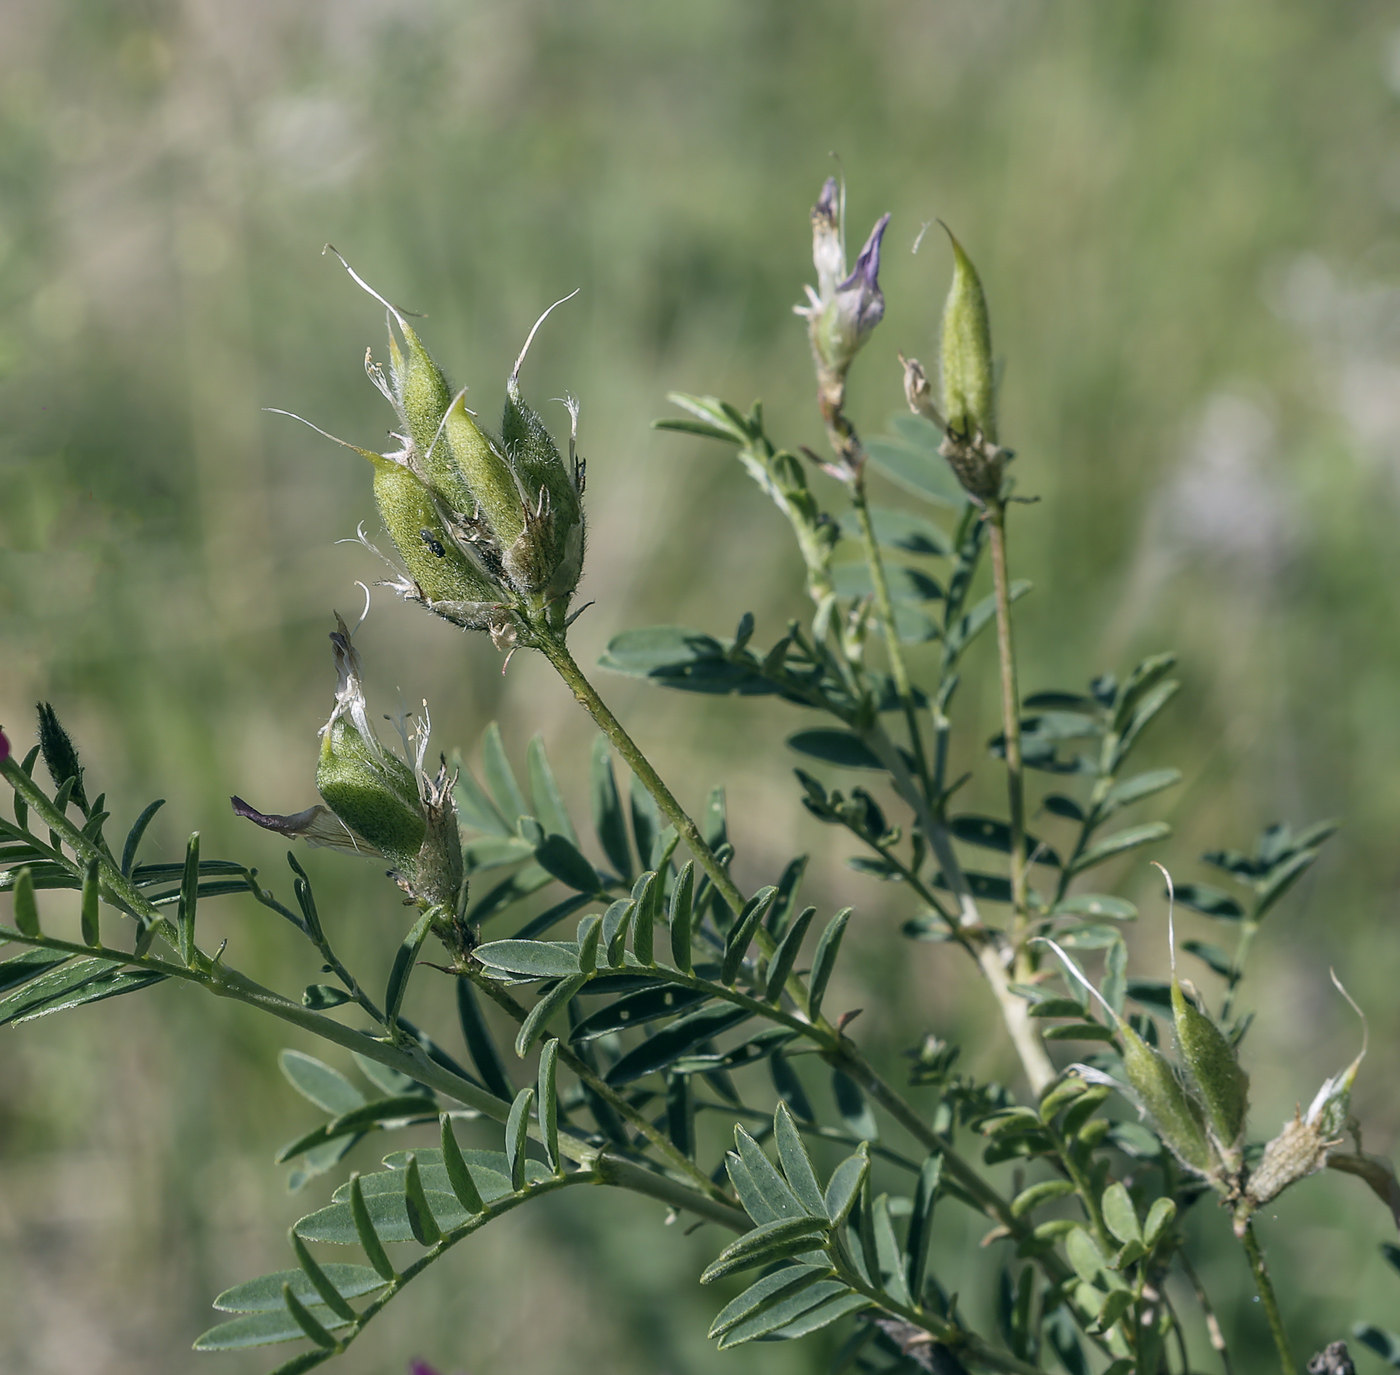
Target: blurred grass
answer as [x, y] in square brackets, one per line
[1186, 217]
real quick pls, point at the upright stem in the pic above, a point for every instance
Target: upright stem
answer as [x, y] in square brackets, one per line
[885, 606]
[557, 652]
[1265, 1288]
[1011, 721]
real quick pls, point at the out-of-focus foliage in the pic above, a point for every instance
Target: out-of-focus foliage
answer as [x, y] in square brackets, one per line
[1185, 217]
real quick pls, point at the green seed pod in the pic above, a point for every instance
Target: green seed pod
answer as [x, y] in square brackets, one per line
[489, 483]
[548, 557]
[969, 401]
[420, 389]
[371, 791]
[1176, 1115]
[1223, 1086]
[432, 557]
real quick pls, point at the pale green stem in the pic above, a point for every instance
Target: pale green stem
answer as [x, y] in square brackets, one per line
[1265, 1288]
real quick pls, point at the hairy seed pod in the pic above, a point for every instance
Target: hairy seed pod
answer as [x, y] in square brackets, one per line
[1176, 1115]
[489, 480]
[372, 792]
[420, 389]
[969, 402]
[1222, 1085]
[441, 570]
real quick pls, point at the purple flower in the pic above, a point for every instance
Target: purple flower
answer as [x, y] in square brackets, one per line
[843, 309]
[4, 747]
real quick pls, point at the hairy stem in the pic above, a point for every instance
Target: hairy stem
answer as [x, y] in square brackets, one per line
[1265, 1288]
[899, 669]
[557, 652]
[1011, 721]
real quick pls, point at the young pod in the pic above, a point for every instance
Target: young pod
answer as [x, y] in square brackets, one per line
[1177, 1116]
[421, 393]
[1223, 1087]
[969, 399]
[372, 792]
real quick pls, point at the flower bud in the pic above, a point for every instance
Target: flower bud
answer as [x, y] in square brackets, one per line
[1222, 1085]
[59, 753]
[4, 747]
[969, 402]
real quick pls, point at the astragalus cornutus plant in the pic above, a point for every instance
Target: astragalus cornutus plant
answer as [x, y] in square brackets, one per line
[648, 998]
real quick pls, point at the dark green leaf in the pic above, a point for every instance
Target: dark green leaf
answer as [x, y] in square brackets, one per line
[500, 777]
[1059, 1007]
[1139, 682]
[1151, 993]
[1067, 807]
[137, 832]
[851, 1104]
[780, 1199]
[923, 473]
[841, 747]
[646, 823]
[258, 1329]
[1141, 785]
[785, 956]
[1150, 706]
[681, 916]
[420, 1215]
[760, 1296]
[821, 1316]
[493, 852]
[547, 1100]
[362, 1229]
[20, 969]
[481, 1045]
[517, 1134]
[961, 634]
[559, 857]
[26, 907]
[324, 1287]
[323, 997]
[1213, 955]
[1096, 905]
[796, 1163]
[637, 1008]
[787, 1309]
[530, 959]
[789, 1086]
[772, 1241]
[590, 931]
[647, 895]
[189, 894]
[519, 885]
[690, 660]
[987, 887]
[533, 1026]
[88, 920]
[921, 1223]
[305, 1319]
[387, 1211]
[1281, 879]
[742, 932]
[1078, 1031]
[551, 917]
[992, 834]
[680, 1113]
[1214, 902]
[899, 529]
[696, 427]
[404, 959]
[845, 1184]
[1119, 843]
[549, 803]
[73, 984]
[317, 1082]
[264, 1295]
[458, 1173]
[673, 1041]
[308, 1360]
[477, 810]
[824, 961]
[1385, 1344]
[608, 820]
[1028, 1200]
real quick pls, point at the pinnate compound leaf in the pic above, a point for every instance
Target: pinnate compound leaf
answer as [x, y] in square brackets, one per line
[73, 984]
[1205, 897]
[317, 1082]
[20, 969]
[387, 1213]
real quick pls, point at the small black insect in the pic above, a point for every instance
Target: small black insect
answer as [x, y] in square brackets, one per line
[434, 544]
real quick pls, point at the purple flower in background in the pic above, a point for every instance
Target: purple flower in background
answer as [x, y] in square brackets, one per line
[420, 1368]
[4, 747]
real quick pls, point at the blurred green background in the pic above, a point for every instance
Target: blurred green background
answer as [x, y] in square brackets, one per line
[1187, 217]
